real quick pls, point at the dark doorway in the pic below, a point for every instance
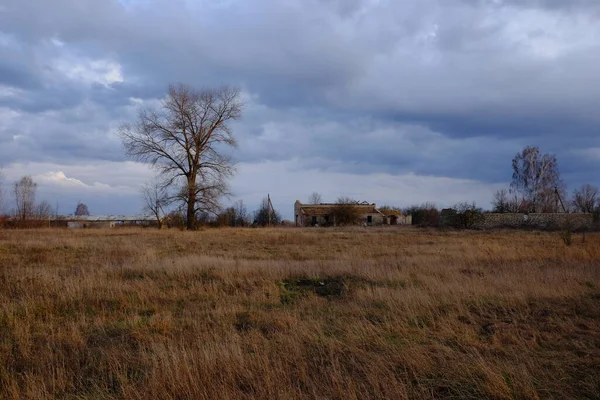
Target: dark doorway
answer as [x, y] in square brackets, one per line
[314, 221]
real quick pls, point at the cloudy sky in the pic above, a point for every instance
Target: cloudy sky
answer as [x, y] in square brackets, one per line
[391, 101]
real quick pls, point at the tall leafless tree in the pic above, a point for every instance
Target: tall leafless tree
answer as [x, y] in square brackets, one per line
[586, 199]
[315, 198]
[537, 179]
[184, 140]
[155, 200]
[24, 191]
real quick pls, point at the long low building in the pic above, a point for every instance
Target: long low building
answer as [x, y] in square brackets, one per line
[103, 221]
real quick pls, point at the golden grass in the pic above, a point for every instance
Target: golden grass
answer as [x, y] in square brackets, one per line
[141, 314]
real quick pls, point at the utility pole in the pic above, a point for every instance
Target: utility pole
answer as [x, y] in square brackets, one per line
[560, 199]
[269, 208]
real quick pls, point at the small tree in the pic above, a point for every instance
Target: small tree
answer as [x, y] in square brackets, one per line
[586, 199]
[504, 202]
[43, 210]
[266, 215]
[346, 212]
[155, 200]
[24, 190]
[234, 216]
[315, 198]
[424, 215]
[81, 209]
[467, 215]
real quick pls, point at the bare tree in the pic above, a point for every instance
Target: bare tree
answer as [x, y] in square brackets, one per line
[537, 179]
[586, 199]
[266, 215]
[155, 200]
[184, 141]
[24, 190]
[315, 198]
[43, 210]
[82, 209]
[505, 202]
[346, 211]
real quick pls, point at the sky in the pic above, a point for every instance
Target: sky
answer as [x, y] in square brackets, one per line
[395, 102]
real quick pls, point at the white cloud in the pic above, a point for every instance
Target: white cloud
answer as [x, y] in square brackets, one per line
[104, 72]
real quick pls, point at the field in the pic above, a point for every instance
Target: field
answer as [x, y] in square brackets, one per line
[298, 313]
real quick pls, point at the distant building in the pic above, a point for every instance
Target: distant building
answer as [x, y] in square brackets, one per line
[323, 214]
[104, 221]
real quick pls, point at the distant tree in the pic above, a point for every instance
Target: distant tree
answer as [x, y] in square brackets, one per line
[43, 210]
[185, 141]
[346, 212]
[505, 202]
[266, 214]
[81, 209]
[24, 191]
[241, 216]
[424, 215]
[235, 216]
[586, 199]
[467, 215]
[537, 179]
[175, 219]
[315, 198]
[155, 197]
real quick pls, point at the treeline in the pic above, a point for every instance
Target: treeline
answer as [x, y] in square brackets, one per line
[27, 212]
[235, 216]
[537, 187]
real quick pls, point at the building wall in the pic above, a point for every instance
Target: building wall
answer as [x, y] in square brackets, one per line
[537, 221]
[90, 224]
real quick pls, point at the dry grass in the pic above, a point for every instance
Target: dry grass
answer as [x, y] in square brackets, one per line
[390, 313]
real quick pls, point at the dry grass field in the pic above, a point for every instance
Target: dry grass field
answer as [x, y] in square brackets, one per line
[292, 314]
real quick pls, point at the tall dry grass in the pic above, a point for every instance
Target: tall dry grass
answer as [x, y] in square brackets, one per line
[230, 314]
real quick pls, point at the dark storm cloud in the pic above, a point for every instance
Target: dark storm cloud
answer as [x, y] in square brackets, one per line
[447, 88]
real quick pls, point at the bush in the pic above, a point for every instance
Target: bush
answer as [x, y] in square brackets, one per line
[462, 216]
[425, 215]
[345, 214]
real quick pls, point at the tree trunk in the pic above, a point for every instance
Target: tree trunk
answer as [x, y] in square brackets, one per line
[191, 205]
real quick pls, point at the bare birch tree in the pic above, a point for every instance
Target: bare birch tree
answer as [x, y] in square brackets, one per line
[537, 179]
[155, 200]
[586, 199]
[184, 140]
[24, 191]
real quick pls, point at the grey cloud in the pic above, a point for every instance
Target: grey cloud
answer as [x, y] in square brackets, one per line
[447, 88]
